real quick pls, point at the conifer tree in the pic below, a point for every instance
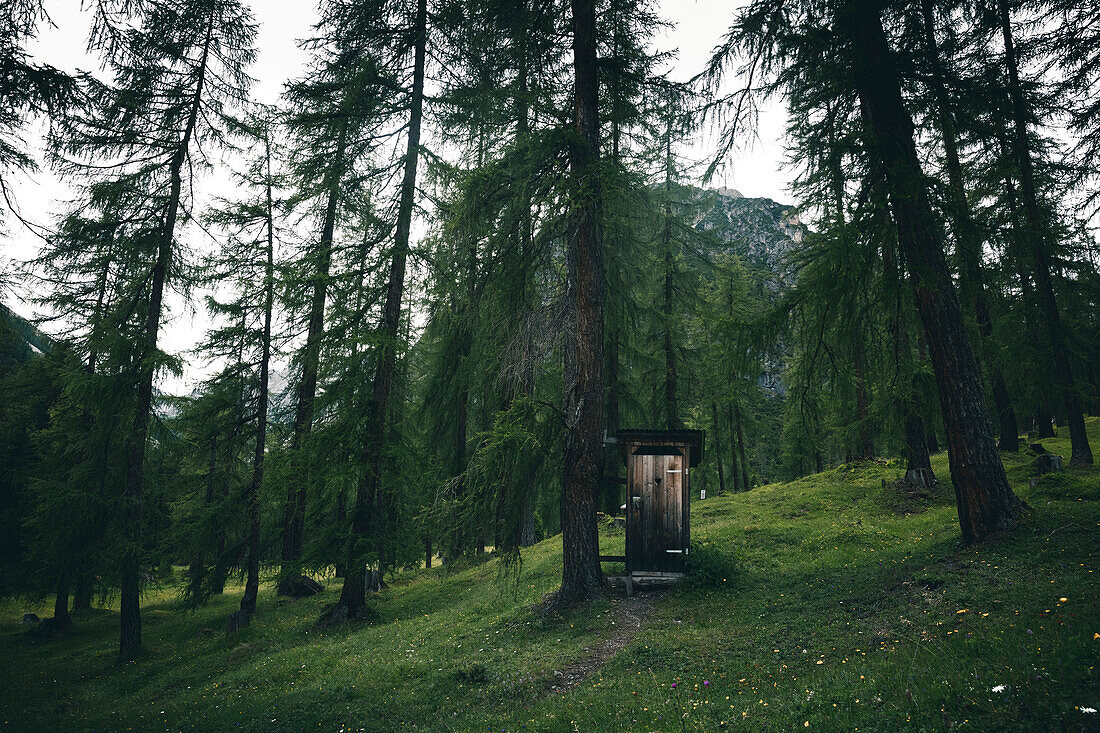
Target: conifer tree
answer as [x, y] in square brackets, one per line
[985, 502]
[1036, 233]
[410, 47]
[246, 341]
[176, 71]
[583, 402]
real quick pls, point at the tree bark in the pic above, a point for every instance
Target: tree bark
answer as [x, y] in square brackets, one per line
[1036, 232]
[916, 444]
[255, 483]
[353, 597]
[61, 616]
[294, 516]
[583, 404]
[745, 485]
[866, 444]
[985, 501]
[735, 471]
[129, 602]
[82, 595]
[968, 239]
[718, 453]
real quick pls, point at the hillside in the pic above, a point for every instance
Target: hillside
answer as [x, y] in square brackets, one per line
[843, 606]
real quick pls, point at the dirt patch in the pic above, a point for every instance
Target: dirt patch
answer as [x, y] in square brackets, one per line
[630, 614]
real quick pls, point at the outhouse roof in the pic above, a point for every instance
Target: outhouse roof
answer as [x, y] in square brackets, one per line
[691, 439]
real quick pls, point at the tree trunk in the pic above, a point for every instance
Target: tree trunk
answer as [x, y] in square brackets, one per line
[985, 501]
[252, 563]
[745, 485]
[969, 241]
[916, 445]
[294, 516]
[866, 444]
[82, 596]
[197, 572]
[61, 617]
[582, 578]
[352, 597]
[735, 471]
[1036, 232]
[718, 454]
[129, 585]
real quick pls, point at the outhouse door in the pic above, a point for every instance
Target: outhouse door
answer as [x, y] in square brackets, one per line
[655, 504]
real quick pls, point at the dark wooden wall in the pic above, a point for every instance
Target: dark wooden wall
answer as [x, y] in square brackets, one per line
[657, 506]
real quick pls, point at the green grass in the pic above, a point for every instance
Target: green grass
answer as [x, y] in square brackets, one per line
[844, 614]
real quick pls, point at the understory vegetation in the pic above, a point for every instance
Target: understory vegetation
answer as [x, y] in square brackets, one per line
[854, 607]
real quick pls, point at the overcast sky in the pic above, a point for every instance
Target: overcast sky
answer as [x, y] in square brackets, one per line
[697, 26]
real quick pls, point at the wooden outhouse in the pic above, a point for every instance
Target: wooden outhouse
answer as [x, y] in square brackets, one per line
[658, 477]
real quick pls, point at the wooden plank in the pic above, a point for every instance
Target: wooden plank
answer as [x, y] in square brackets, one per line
[631, 520]
[612, 558]
[675, 515]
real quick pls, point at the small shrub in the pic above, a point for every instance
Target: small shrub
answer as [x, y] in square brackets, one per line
[710, 566]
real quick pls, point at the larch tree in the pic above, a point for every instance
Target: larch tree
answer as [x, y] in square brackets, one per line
[985, 502]
[410, 47]
[583, 404]
[176, 71]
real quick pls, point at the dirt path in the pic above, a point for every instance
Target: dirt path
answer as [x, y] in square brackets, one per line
[630, 614]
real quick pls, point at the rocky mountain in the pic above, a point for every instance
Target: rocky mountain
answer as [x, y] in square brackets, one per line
[760, 231]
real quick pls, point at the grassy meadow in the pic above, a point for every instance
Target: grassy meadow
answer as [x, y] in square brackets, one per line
[830, 603]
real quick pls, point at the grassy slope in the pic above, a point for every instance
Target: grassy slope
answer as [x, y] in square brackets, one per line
[845, 615]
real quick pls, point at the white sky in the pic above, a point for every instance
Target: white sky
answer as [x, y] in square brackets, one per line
[697, 26]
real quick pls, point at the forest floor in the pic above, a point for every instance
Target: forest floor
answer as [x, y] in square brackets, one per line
[832, 603]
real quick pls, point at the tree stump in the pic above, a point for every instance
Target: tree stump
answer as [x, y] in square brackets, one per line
[1048, 463]
[237, 621]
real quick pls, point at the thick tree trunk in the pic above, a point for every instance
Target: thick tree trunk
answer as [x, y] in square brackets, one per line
[583, 405]
[82, 596]
[61, 617]
[364, 527]
[294, 515]
[1037, 233]
[968, 238]
[985, 501]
